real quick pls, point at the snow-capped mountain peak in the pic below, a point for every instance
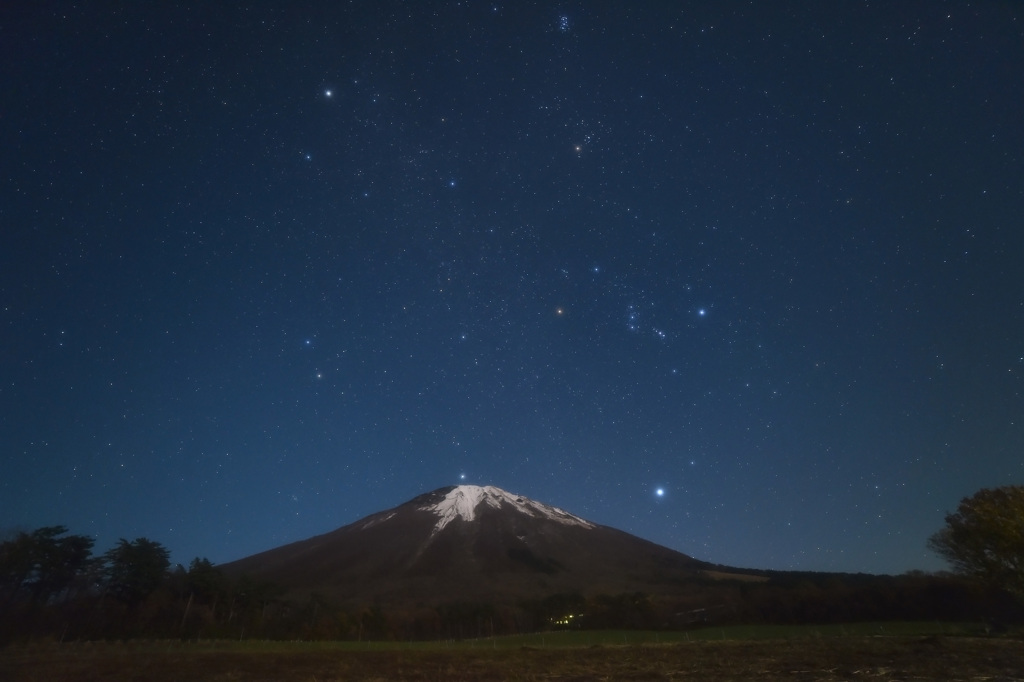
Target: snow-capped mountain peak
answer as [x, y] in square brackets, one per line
[502, 549]
[462, 502]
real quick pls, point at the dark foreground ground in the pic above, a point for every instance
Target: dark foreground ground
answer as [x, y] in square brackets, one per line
[845, 658]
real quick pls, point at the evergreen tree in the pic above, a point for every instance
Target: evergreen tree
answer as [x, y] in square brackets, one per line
[41, 565]
[134, 570]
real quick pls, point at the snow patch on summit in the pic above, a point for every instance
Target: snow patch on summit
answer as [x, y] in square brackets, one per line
[462, 502]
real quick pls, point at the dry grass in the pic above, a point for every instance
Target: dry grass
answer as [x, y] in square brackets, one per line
[828, 658]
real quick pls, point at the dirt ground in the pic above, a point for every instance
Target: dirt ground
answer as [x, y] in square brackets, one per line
[848, 658]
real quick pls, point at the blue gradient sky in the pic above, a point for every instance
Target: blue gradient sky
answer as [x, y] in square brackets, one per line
[265, 271]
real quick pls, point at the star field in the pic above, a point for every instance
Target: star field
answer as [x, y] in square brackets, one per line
[741, 280]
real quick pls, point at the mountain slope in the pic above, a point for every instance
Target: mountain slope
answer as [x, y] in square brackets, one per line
[469, 543]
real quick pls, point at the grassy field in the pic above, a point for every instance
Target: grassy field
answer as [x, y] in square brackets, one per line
[852, 652]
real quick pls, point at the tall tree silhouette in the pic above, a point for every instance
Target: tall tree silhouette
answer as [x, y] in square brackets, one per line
[134, 570]
[41, 565]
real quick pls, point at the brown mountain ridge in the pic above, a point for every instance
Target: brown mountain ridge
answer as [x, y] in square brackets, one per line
[465, 543]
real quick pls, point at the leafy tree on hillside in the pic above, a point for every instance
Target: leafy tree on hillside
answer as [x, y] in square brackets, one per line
[984, 539]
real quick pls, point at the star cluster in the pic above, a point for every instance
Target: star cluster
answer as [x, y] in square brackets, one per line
[740, 281]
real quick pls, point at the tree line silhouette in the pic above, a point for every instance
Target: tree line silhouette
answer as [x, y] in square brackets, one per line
[52, 586]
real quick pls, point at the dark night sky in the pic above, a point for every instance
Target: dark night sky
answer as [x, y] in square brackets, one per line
[265, 271]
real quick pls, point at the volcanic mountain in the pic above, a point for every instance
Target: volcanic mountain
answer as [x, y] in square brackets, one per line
[469, 542]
